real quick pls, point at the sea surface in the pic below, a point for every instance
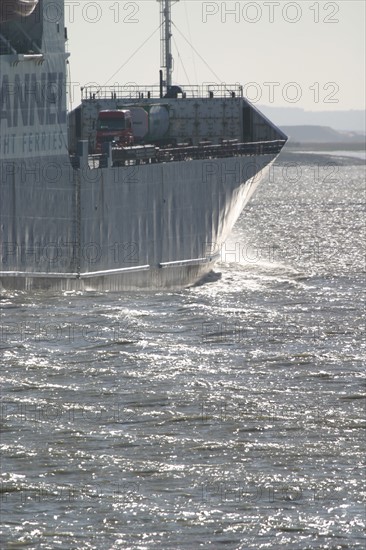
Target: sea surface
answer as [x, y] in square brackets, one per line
[228, 415]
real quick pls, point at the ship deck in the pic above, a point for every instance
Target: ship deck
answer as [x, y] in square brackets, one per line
[149, 154]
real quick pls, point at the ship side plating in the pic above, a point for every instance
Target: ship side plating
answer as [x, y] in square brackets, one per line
[37, 193]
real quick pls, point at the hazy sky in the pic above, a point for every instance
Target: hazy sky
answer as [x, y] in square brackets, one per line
[304, 54]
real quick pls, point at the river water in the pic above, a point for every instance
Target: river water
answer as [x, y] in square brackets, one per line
[228, 415]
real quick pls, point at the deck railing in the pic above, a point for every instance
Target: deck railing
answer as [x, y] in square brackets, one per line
[150, 155]
[226, 149]
[134, 91]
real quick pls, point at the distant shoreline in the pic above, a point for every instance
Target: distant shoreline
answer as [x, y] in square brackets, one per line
[295, 156]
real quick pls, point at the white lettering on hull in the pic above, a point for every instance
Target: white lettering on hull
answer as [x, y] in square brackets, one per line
[29, 143]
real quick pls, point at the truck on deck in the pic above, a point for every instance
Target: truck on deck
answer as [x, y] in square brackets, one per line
[114, 126]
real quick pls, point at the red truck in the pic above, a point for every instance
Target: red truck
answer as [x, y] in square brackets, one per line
[115, 126]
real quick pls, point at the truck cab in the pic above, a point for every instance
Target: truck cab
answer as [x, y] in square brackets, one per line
[114, 126]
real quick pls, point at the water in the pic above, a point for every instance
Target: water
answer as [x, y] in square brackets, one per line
[229, 415]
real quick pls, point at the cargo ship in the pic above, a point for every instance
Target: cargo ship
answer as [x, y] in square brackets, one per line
[138, 187]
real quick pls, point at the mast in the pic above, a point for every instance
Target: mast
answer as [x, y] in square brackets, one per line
[166, 61]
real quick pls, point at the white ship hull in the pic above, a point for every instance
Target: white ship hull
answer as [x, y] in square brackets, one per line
[123, 228]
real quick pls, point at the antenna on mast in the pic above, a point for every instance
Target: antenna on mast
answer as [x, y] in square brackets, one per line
[166, 61]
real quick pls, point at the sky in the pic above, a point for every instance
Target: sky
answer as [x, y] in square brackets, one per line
[304, 54]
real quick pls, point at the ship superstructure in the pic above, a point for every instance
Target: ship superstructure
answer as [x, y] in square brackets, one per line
[149, 215]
